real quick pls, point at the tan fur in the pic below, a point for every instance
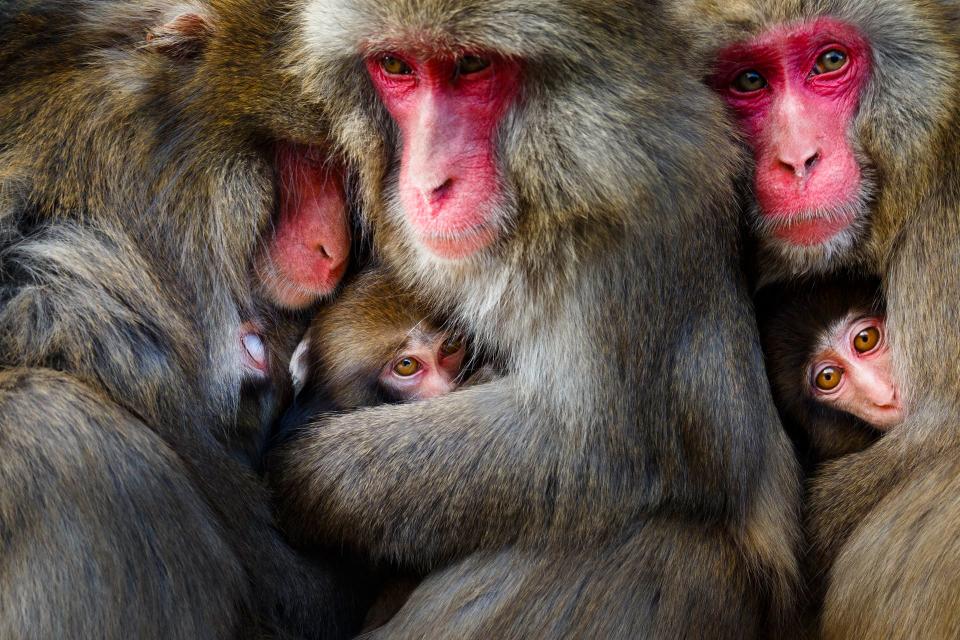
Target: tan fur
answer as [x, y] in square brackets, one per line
[628, 476]
[136, 185]
[882, 520]
[354, 337]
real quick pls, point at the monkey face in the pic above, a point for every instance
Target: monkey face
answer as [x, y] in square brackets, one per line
[795, 91]
[429, 365]
[851, 372]
[449, 109]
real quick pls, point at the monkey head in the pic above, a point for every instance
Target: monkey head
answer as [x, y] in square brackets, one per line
[470, 140]
[376, 344]
[828, 358]
[850, 369]
[229, 62]
[837, 132]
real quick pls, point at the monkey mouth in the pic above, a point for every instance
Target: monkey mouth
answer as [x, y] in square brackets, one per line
[460, 244]
[810, 227]
[289, 292]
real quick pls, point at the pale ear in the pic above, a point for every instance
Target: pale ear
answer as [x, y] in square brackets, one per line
[182, 38]
[299, 365]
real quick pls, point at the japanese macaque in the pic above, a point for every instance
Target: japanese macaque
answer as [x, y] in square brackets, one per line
[828, 358]
[154, 157]
[540, 175]
[851, 111]
[377, 343]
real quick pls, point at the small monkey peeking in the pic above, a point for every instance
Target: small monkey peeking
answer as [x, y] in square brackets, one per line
[828, 354]
[376, 344]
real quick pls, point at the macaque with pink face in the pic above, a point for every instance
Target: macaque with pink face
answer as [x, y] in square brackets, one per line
[829, 361]
[794, 91]
[374, 344]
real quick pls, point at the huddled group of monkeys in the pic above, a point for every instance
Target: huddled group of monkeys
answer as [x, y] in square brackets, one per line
[479, 318]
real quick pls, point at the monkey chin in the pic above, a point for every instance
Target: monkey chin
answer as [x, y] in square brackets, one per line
[811, 242]
[291, 293]
[461, 245]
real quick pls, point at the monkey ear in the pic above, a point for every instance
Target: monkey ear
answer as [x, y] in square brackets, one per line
[182, 38]
[299, 365]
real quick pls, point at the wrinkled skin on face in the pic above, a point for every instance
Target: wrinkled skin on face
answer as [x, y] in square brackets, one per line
[448, 111]
[795, 91]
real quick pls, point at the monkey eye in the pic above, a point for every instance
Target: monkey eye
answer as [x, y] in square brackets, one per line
[749, 81]
[451, 345]
[471, 64]
[828, 378]
[406, 366]
[866, 340]
[395, 66]
[831, 60]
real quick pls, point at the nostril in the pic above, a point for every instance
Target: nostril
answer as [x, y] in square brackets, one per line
[811, 161]
[322, 250]
[435, 194]
[443, 188]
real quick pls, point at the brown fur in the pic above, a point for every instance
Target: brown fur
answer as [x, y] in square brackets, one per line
[353, 338]
[628, 476]
[136, 183]
[793, 320]
[882, 520]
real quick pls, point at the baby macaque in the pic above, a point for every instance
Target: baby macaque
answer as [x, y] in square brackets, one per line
[374, 344]
[828, 358]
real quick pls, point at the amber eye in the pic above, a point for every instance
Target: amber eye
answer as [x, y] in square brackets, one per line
[829, 61]
[471, 64]
[406, 366]
[395, 66]
[828, 378]
[866, 340]
[451, 346]
[749, 81]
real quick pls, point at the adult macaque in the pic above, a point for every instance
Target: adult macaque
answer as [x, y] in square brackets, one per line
[152, 157]
[540, 173]
[377, 343]
[828, 358]
[851, 111]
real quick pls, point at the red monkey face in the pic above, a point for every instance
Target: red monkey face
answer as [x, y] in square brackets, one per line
[795, 91]
[308, 254]
[448, 110]
[852, 372]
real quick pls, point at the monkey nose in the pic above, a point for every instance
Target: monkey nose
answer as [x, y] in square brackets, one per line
[333, 254]
[799, 162]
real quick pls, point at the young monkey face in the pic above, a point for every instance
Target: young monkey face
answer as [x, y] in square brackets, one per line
[851, 372]
[427, 365]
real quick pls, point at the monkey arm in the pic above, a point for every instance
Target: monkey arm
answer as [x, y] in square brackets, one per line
[436, 478]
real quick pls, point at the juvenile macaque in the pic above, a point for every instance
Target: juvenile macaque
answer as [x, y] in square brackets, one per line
[377, 343]
[828, 355]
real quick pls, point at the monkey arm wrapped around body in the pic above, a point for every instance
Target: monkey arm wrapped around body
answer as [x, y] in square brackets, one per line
[529, 459]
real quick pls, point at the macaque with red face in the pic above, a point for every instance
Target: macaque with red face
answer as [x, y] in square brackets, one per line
[374, 344]
[829, 360]
[795, 90]
[535, 172]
